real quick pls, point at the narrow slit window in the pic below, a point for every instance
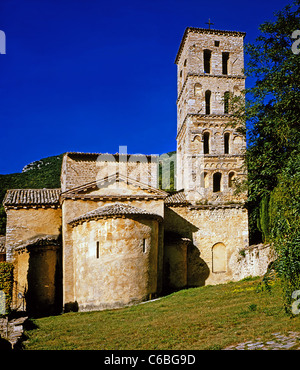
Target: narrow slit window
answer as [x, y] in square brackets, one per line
[97, 250]
[225, 59]
[144, 246]
[206, 143]
[226, 143]
[206, 58]
[207, 101]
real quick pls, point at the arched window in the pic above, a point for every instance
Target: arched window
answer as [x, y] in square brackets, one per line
[226, 102]
[217, 182]
[206, 60]
[206, 143]
[219, 258]
[230, 179]
[207, 101]
[226, 143]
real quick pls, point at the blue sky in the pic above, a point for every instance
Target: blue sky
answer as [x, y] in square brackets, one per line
[91, 75]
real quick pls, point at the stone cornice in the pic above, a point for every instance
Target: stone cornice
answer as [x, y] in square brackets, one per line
[190, 74]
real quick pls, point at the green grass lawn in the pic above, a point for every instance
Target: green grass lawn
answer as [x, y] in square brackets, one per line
[210, 317]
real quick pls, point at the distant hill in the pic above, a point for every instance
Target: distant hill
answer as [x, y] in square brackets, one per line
[44, 173]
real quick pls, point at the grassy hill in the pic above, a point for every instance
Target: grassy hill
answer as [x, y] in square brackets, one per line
[209, 317]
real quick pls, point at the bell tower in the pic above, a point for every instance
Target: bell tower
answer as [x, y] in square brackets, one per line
[210, 152]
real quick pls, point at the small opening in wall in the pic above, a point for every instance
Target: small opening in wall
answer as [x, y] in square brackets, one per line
[97, 250]
[217, 182]
[207, 101]
[206, 143]
[217, 43]
[144, 246]
[225, 59]
[206, 60]
[226, 143]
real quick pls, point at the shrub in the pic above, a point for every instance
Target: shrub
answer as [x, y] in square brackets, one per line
[6, 284]
[285, 229]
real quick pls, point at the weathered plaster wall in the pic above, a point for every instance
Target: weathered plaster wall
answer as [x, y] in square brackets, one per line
[115, 262]
[72, 209]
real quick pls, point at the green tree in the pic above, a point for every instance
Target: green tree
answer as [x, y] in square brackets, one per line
[272, 114]
[272, 106]
[284, 210]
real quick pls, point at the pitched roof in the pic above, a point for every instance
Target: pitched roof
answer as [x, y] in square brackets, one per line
[176, 199]
[114, 210]
[31, 197]
[82, 190]
[79, 155]
[40, 240]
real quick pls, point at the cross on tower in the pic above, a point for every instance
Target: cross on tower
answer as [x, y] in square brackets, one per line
[209, 23]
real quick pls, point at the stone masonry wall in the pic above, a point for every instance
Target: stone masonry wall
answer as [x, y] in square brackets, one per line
[207, 227]
[115, 262]
[23, 224]
[251, 261]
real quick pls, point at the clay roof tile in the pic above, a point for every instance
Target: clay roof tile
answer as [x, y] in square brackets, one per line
[31, 197]
[114, 210]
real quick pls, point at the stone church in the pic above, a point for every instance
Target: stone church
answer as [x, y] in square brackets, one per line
[109, 237]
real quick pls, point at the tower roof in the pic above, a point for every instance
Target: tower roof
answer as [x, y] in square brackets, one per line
[205, 31]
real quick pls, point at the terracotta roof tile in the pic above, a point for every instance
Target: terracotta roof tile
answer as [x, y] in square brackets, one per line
[31, 197]
[112, 210]
[177, 198]
[40, 240]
